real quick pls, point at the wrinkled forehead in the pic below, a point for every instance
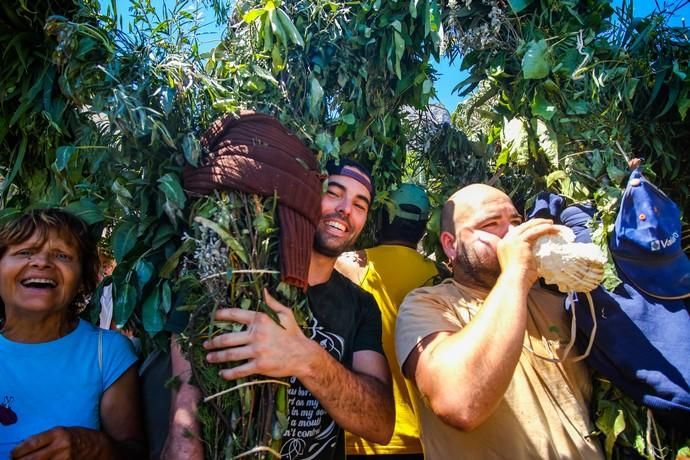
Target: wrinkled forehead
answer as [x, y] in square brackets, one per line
[45, 233]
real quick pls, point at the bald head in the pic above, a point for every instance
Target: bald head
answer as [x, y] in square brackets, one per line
[467, 202]
[474, 219]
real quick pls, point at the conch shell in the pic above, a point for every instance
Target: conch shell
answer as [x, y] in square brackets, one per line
[571, 266]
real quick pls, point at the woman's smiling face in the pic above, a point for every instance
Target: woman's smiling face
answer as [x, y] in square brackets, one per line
[40, 275]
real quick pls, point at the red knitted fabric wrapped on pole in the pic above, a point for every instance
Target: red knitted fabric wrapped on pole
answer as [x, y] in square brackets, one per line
[254, 153]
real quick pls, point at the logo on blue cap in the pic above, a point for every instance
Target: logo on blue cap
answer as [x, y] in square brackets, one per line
[646, 244]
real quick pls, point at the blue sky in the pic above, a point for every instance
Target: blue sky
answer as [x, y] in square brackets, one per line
[449, 75]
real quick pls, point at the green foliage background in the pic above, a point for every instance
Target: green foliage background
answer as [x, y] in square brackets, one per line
[101, 121]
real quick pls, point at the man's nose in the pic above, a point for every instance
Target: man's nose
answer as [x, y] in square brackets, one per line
[508, 228]
[344, 207]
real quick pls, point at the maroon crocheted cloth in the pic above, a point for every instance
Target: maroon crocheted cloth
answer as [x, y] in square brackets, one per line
[256, 154]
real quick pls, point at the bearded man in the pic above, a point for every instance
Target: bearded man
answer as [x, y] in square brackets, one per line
[474, 345]
[338, 375]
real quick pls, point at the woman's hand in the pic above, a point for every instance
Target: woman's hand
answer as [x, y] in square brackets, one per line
[63, 443]
[121, 438]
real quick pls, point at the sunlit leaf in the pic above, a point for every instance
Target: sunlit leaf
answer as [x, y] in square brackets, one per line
[124, 239]
[191, 149]
[169, 184]
[125, 301]
[515, 137]
[63, 155]
[554, 177]
[547, 140]
[151, 313]
[289, 27]
[518, 5]
[165, 297]
[535, 62]
[426, 86]
[87, 210]
[253, 14]
[144, 270]
[399, 51]
[120, 190]
[541, 107]
[277, 26]
[315, 96]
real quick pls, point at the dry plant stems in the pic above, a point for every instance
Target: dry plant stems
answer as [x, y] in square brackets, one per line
[236, 256]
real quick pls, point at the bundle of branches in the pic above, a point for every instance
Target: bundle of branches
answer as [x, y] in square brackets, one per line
[630, 430]
[235, 258]
[267, 177]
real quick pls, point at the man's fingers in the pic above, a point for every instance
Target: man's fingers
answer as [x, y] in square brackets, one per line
[243, 370]
[538, 220]
[273, 303]
[230, 354]
[533, 229]
[538, 231]
[237, 315]
[229, 339]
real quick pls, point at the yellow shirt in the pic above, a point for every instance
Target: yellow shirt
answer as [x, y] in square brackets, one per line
[543, 413]
[391, 271]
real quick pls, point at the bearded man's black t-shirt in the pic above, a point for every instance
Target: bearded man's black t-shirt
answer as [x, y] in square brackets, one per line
[346, 319]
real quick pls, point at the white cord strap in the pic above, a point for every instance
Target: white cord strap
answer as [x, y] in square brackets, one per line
[573, 332]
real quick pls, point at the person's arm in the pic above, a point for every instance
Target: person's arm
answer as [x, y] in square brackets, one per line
[184, 440]
[121, 438]
[463, 375]
[360, 401]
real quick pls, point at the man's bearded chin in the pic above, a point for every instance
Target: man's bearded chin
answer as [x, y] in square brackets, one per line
[469, 267]
[322, 247]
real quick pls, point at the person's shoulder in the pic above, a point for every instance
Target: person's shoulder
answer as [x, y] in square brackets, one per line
[352, 265]
[444, 288]
[92, 332]
[345, 284]
[439, 296]
[87, 330]
[112, 339]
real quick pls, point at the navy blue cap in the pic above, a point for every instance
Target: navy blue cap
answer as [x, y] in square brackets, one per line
[646, 241]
